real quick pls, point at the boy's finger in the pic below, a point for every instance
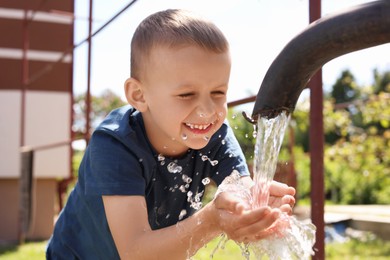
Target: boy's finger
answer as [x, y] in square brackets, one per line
[228, 202]
[256, 228]
[281, 189]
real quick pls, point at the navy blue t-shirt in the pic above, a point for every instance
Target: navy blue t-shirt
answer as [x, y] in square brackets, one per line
[119, 160]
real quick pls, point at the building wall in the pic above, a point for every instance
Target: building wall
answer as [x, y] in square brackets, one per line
[35, 107]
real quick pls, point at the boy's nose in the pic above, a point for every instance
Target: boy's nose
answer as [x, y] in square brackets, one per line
[205, 109]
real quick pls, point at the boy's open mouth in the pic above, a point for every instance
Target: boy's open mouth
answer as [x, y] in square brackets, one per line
[199, 128]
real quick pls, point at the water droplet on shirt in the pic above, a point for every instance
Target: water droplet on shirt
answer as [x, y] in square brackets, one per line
[182, 188]
[204, 158]
[206, 181]
[182, 214]
[140, 159]
[174, 168]
[160, 157]
[214, 162]
[223, 142]
[186, 179]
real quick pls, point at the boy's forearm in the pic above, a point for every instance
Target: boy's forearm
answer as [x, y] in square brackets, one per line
[179, 241]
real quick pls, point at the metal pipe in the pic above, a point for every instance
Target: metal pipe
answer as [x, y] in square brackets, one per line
[316, 142]
[356, 28]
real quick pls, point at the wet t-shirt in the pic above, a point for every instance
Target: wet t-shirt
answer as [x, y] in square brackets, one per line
[119, 160]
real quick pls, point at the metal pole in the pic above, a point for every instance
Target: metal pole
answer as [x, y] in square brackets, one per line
[316, 137]
[88, 94]
[25, 193]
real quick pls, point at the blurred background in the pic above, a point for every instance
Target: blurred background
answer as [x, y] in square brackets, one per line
[52, 75]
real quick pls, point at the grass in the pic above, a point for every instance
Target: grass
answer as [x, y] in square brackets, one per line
[28, 251]
[368, 248]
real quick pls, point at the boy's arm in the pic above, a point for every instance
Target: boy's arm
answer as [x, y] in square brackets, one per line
[134, 239]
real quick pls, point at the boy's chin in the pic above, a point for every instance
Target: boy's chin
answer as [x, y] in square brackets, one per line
[199, 144]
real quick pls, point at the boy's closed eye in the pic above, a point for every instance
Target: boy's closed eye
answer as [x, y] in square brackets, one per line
[218, 93]
[186, 95]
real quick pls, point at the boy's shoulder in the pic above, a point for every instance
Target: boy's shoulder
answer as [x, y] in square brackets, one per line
[118, 119]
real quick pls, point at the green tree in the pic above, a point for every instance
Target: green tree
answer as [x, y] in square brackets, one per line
[382, 82]
[345, 89]
[100, 106]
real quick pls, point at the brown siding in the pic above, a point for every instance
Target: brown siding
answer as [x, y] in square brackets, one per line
[58, 79]
[11, 74]
[11, 33]
[34, 4]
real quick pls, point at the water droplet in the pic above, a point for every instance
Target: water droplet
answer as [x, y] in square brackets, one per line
[167, 216]
[214, 162]
[234, 116]
[184, 137]
[220, 114]
[202, 115]
[206, 181]
[140, 159]
[204, 158]
[182, 214]
[174, 168]
[182, 188]
[160, 157]
[186, 179]
[206, 138]
[246, 135]
[254, 134]
[223, 142]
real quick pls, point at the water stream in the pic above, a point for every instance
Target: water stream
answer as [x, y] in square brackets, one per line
[289, 238]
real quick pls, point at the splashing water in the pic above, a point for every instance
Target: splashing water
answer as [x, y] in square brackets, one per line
[174, 168]
[288, 238]
[212, 162]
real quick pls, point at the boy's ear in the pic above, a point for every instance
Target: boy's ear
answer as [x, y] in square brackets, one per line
[135, 95]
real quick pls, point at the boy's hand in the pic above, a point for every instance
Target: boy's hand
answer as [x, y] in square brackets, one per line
[282, 197]
[241, 223]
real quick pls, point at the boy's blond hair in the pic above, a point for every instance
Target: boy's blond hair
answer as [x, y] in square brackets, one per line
[173, 28]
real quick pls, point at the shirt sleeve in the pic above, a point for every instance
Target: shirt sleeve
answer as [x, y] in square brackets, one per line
[110, 168]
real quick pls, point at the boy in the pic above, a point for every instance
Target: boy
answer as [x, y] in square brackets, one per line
[146, 166]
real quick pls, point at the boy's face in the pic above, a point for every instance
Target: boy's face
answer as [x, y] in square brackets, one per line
[185, 92]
